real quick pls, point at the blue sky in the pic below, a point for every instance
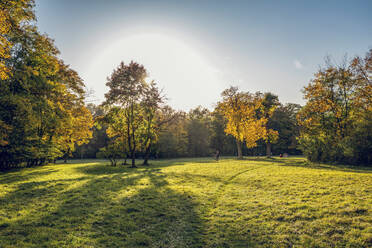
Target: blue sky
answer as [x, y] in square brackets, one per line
[195, 49]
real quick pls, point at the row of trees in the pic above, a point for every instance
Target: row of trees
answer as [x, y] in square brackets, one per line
[334, 125]
[134, 121]
[337, 118]
[43, 115]
[42, 110]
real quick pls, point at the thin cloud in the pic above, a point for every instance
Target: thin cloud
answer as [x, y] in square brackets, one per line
[297, 64]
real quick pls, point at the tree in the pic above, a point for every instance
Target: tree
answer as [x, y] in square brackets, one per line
[173, 136]
[41, 98]
[99, 137]
[77, 130]
[270, 102]
[116, 123]
[198, 132]
[284, 121]
[15, 19]
[112, 152]
[336, 120]
[244, 114]
[151, 104]
[127, 85]
[5, 44]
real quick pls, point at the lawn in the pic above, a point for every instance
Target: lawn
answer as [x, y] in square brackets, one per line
[256, 202]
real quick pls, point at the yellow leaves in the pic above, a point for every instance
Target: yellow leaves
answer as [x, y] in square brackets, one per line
[77, 129]
[243, 112]
[5, 45]
[272, 136]
[254, 129]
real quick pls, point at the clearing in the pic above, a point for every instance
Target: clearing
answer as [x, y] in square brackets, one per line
[256, 202]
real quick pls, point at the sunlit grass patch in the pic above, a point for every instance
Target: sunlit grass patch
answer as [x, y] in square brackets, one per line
[255, 202]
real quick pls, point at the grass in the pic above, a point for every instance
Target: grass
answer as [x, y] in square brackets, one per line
[256, 202]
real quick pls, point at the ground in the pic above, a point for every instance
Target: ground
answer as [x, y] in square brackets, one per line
[256, 202]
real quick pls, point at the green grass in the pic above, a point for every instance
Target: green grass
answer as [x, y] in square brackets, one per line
[280, 202]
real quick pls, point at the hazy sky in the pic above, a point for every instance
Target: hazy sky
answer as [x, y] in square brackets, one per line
[195, 49]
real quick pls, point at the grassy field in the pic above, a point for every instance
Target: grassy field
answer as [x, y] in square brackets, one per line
[256, 202]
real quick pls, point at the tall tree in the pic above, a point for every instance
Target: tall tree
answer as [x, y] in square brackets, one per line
[39, 95]
[151, 105]
[127, 85]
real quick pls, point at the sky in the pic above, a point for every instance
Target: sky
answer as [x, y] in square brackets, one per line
[196, 49]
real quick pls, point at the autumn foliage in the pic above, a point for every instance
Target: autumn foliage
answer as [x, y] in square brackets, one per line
[43, 115]
[42, 110]
[246, 117]
[337, 118]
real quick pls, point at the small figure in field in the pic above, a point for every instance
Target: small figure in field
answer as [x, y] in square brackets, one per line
[281, 155]
[217, 155]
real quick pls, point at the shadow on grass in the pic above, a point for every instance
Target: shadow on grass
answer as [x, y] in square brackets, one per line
[98, 167]
[109, 207]
[304, 163]
[18, 175]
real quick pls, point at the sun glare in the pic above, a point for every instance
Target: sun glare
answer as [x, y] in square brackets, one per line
[186, 74]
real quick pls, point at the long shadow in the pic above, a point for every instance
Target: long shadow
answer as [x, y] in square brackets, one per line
[23, 174]
[303, 163]
[97, 169]
[119, 207]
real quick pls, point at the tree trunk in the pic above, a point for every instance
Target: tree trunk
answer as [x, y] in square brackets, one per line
[147, 155]
[65, 157]
[133, 160]
[239, 146]
[268, 149]
[125, 160]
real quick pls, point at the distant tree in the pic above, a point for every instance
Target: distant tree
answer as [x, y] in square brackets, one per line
[218, 136]
[198, 132]
[99, 137]
[269, 102]
[112, 152]
[244, 114]
[284, 121]
[117, 130]
[126, 89]
[151, 105]
[173, 136]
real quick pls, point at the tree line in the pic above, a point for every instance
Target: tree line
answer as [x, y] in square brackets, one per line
[43, 114]
[135, 122]
[42, 111]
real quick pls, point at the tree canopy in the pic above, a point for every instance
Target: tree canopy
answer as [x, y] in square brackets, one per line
[42, 110]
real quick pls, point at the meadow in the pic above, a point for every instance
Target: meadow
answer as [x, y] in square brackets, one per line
[255, 202]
